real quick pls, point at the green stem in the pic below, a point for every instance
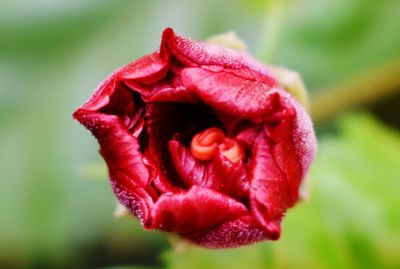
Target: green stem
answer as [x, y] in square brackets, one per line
[365, 88]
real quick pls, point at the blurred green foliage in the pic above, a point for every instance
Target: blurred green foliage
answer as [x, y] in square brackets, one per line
[54, 53]
[327, 41]
[330, 41]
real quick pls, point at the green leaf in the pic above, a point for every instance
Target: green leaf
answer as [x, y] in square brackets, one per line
[350, 220]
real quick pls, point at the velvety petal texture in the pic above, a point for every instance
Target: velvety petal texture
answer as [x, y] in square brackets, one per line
[146, 114]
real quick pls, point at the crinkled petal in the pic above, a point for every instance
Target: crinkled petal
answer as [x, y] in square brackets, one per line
[220, 174]
[197, 53]
[137, 200]
[231, 177]
[157, 177]
[117, 145]
[269, 190]
[197, 210]
[163, 121]
[294, 144]
[190, 170]
[161, 124]
[165, 93]
[146, 70]
[101, 97]
[231, 94]
[121, 152]
[248, 135]
[280, 158]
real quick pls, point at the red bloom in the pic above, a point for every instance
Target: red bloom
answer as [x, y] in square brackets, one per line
[202, 141]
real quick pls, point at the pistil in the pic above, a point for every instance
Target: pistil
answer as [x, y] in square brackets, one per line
[207, 143]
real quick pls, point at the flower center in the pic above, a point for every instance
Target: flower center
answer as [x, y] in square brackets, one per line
[207, 143]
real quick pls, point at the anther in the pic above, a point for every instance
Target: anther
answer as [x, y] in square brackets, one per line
[232, 150]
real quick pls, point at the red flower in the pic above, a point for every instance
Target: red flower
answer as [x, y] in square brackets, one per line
[201, 140]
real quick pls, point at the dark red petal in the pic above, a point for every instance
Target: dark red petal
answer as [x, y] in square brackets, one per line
[117, 145]
[127, 106]
[165, 85]
[248, 135]
[236, 233]
[229, 123]
[157, 177]
[146, 70]
[121, 152]
[166, 93]
[138, 200]
[190, 170]
[197, 210]
[231, 178]
[280, 158]
[269, 194]
[230, 94]
[198, 53]
[105, 114]
[169, 94]
[286, 158]
[161, 123]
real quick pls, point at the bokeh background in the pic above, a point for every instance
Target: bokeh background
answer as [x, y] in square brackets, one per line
[56, 206]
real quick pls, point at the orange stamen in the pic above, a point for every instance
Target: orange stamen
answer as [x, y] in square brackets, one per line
[205, 144]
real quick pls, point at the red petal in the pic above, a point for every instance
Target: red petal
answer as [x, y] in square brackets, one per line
[269, 195]
[231, 178]
[281, 156]
[105, 114]
[248, 135]
[190, 170]
[121, 152]
[146, 70]
[231, 94]
[220, 174]
[136, 199]
[118, 147]
[294, 144]
[198, 53]
[101, 97]
[166, 93]
[161, 124]
[162, 91]
[157, 178]
[197, 210]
